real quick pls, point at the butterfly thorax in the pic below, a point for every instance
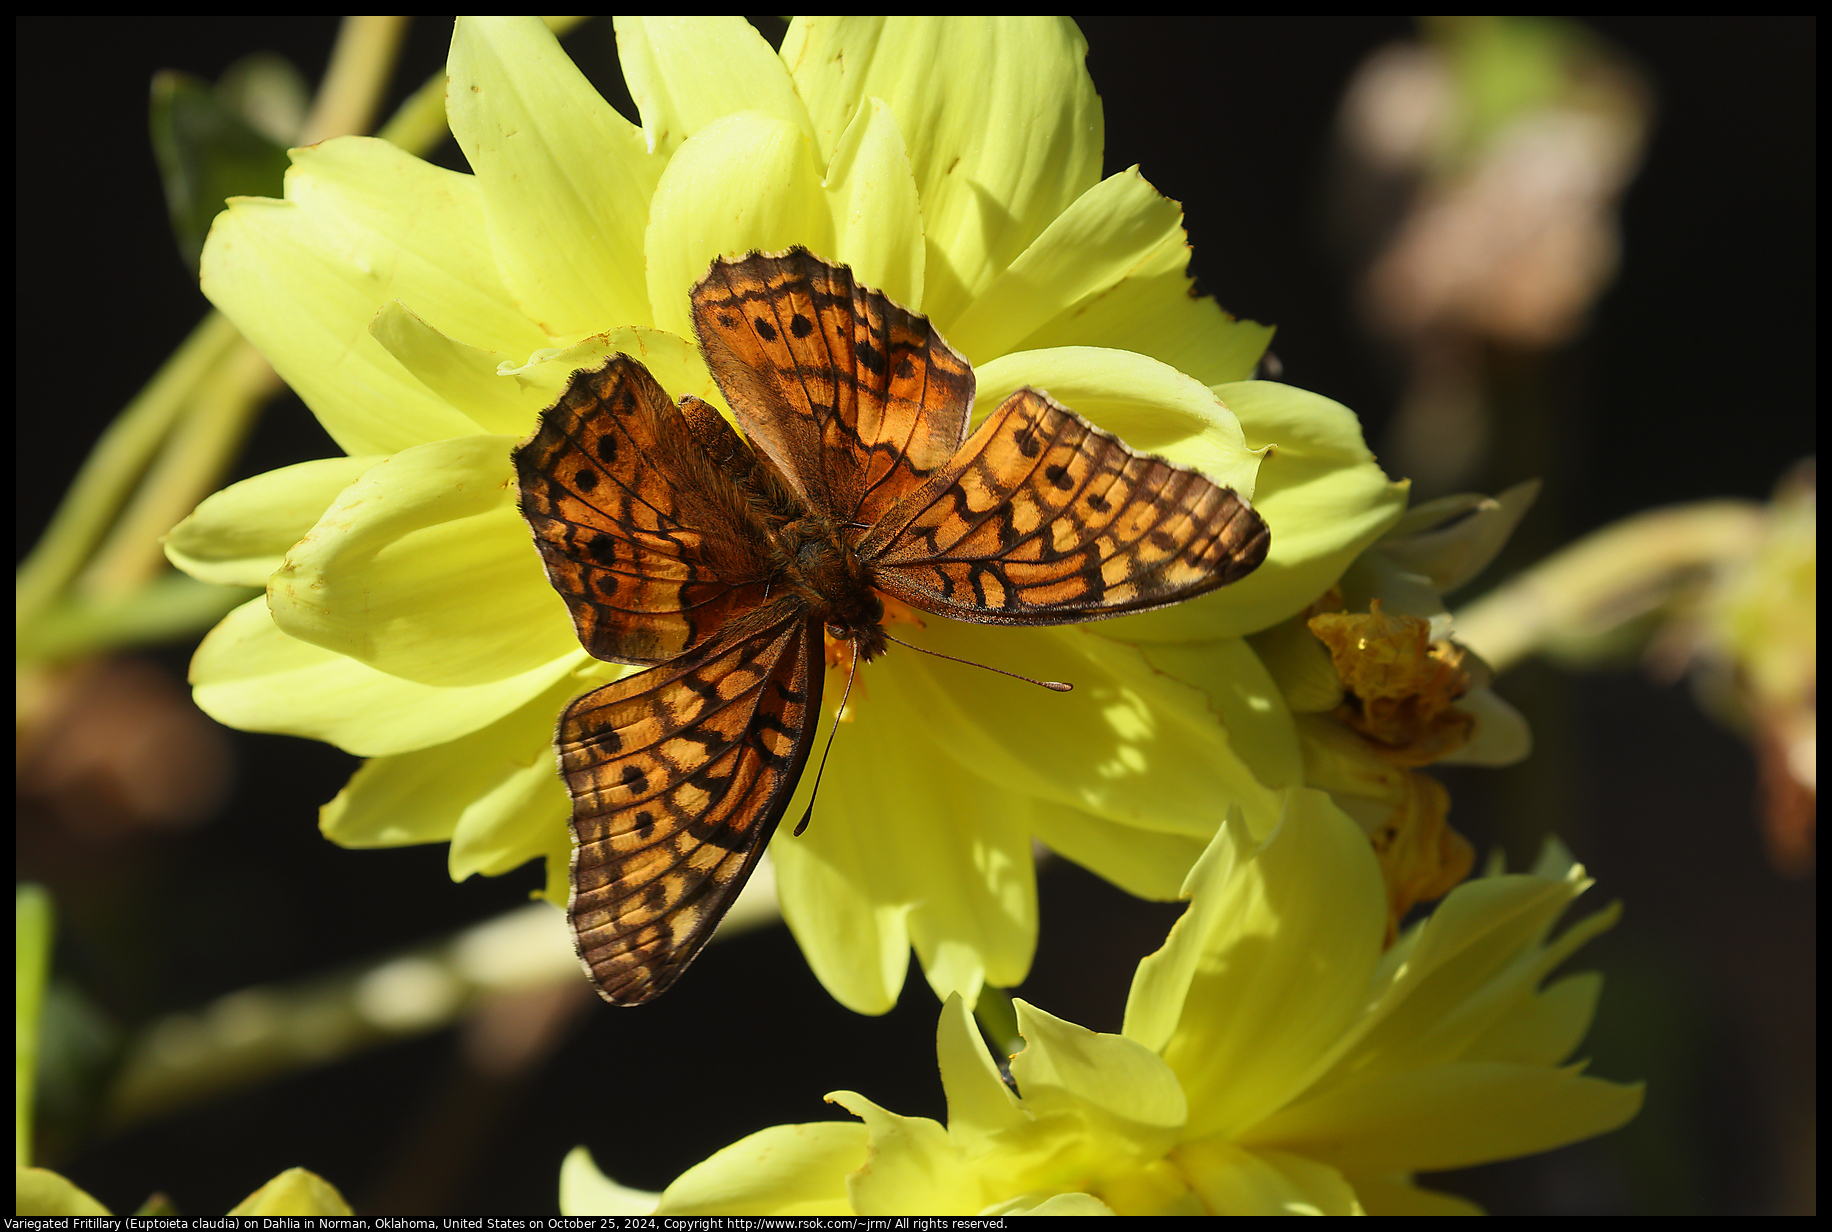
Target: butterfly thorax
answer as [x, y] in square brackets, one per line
[815, 561]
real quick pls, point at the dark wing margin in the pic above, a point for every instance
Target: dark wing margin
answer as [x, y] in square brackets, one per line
[1045, 519]
[678, 777]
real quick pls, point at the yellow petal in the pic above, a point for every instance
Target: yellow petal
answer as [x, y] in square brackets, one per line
[877, 216]
[1233, 1181]
[1449, 1116]
[1110, 272]
[495, 793]
[240, 535]
[1000, 117]
[39, 1191]
[1123, 1093]
[294, 1192]
[419, 567]
[1321, 493]
[584, 1190]
[745, 182]
[1282, 967]
[364, 224]
[980, 1106]
[1144, 863]
[686, 72]
[248, 674]
[913, 1165]
[784, 1170]
[565, 180]
[905, 847]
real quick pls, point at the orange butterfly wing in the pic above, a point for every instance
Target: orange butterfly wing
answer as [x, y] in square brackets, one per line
[666, 535]
[854, 398]
[1044, 519]
[650, 543]
[679, 775]
[653, 522]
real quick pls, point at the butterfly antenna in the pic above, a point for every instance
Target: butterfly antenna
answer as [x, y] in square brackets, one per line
[1053, 685]
[831, 732]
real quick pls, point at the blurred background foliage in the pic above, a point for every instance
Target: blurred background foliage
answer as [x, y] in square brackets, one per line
[1615, 297]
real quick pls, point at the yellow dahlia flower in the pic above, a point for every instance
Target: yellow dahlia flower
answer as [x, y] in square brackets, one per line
[427, 316]
[1276, 1058]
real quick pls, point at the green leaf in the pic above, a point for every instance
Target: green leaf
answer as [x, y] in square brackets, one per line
[208, 149]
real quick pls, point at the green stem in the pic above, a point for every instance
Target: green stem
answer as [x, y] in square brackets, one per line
[113, 467]
[1609, 578]
[32, 924]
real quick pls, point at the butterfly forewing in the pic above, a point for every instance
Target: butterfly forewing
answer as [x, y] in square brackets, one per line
[1043, 519]
[648, 540]
[678, 777]
[857, 400]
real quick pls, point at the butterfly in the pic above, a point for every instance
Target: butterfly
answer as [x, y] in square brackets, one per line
[720, 564]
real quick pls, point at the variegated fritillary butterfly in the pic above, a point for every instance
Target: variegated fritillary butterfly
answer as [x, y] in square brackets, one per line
[677, 545]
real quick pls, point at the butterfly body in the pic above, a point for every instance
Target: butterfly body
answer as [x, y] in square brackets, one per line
[721, 564]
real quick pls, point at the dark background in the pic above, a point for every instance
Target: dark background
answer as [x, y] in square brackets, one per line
[1695, 380]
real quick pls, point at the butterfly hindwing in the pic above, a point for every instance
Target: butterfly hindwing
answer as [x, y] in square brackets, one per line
[856, 399]
[1043, 519]
[649, 540]
[678, 776]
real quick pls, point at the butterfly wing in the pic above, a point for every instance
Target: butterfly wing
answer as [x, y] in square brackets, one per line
[1043, 519]
[855, 399]
[679, 775]
[651, 542]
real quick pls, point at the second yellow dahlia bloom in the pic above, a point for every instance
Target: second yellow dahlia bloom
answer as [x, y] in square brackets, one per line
[1276, 1058]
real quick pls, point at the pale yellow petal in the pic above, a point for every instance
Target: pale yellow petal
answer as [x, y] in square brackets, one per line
[1145, 863]
[464, 375]
[1161, 984]
[684, 72]
[1111, 272]
[1448, 1116]
[980, 1106]
[857, 944]
[1475, 962]
[40, 1191]
[565, 180]
[239, 536]
[364, 224]
[1232, 1181]
[1055, 1204]
[1128, 744]
[249, 675]
[1000, 117]
[584, 1190]
[419, 567]
[295, 1192]
[877, 216]
[1452, 539]
[495, 794]
[789, 1170]
[1128, 1100]
[1285, 965]
[913, 1166]
[905, 847]
[1149, 405]
[745, 182]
